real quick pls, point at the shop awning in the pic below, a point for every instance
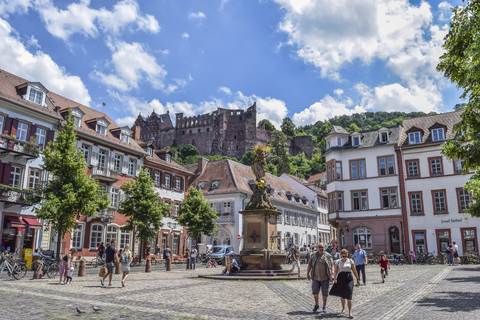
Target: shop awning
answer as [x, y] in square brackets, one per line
[15, 222]
[33, 223]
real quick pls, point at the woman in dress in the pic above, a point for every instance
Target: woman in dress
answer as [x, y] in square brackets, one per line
[65, 265]
[125, 263]
[343, 286]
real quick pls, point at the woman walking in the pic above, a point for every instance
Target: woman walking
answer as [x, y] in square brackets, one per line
[295, 261]
[125, 263]
[343, 286]
[65, 265]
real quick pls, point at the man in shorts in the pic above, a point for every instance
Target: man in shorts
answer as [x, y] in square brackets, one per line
[455, 254]
[321, 271]
[384, 265]
[110, 260]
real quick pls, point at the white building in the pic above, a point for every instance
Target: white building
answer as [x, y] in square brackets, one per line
[435, 201]
[228, 185]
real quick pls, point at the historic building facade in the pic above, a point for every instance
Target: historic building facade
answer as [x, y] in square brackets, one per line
[223, 132]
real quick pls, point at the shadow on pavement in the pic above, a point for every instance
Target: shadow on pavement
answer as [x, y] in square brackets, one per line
[317, 315]
[469, 279]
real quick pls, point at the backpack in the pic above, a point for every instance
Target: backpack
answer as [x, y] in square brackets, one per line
[447, 250]
[122, 258]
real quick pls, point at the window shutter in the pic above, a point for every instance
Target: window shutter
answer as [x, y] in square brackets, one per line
[2, 167]
[78, 144]
[138, 167]
[13, 129]
[50, 136]
[31, 134]
[94, 157]
[7, 126]
[7, 168]
[163, 179]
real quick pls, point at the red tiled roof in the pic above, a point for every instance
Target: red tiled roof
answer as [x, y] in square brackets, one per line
[298, 179]
[316, 177]
[173, 165]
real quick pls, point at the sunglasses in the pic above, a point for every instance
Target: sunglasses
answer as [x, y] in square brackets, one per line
[344, 256]
[320, 247]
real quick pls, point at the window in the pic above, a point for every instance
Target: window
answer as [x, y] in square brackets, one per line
[16, 177]
[86, 151]
[167, 181]
[357, 169]
[437, 134]
[117, 162]
[356, 141]
[414, 137]
[102, 159]
[389, 198]
[443, 239]
[78, 121]
[420, 243]
[178, 184]
[175, 246]
[359, 200]
[101, 128]
[386, 166]
[34, 179]
[458, 166]
[439, 202]
[338, 171]
[383, 136]
[41, 135]
[339, 142]
[131, 166]
[463, 198]
[114, 197]
[124, 137]
[111, 233]
[124, 238]
[362, 236]
[168, 158]
[339, 201]
[416, 206]
[435, 167]
[227, 207]
[150, 151]
[176, 209]
[35, 96]
[412, 169]
[76, 237]
[157, 178]
[96, 236]
[1, 124]
[469, 240]
[22, 129]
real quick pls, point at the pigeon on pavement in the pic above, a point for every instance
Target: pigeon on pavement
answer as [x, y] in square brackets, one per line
[96, 309]
[80, 310]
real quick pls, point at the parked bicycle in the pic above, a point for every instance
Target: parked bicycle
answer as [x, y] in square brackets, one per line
[470, 258]
[14, 267]
[97, 261]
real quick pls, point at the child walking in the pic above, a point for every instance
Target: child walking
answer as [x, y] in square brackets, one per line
[69, 275]
[384, 264]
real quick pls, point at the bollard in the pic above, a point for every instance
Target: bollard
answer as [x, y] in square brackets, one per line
[188, 264]
[37, 274]
[148, 265]
[117, 267]
[82, 268]
[169, 264]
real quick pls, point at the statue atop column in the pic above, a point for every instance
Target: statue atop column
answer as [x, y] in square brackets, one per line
[261, 193]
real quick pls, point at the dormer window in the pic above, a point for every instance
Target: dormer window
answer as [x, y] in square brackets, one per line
[168, 158]
[414, 137]
[126, 138]
[384, 137]
[438, 134]
[101, 127]
[77, 116]
[35, 96]
[150, 151]
[339, 142]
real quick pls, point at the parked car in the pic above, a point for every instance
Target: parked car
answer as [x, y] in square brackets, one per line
[218, 253]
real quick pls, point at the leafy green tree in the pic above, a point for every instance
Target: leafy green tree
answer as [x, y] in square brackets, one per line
[189, 150]
[268, 125]
[280, 156]
[460, 63]
[175, 144]
[197, 215]
[72, 192]
[247, 158]
[288, 127]
[143, 208]
[271, 168]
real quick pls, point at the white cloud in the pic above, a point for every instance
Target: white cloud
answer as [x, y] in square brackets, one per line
[80, 18]
[325, 109]
[133, 64]
[225, 90]
[32, 42]
[272, 109]
[445, 11]
[197, 16]
[38, 66]
[222, 4]
[338, 92]
[8, 7]
[185, 36]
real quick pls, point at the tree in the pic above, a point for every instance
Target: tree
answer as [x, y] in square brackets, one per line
[247, 158]
[142, 207]
[268, 125]
[460, 63]
[288, 127]
[72, 192]
[280, 156]
[189, 150]
[197, 215]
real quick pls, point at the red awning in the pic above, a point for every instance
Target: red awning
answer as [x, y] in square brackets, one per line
[33, 223]
[15, 222]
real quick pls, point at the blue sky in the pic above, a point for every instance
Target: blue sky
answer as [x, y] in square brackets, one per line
[306, 59]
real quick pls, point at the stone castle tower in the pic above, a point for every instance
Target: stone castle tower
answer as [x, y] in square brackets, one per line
[224, 132]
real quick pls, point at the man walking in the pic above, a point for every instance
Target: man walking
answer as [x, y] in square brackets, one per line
[193, 258]
[455, 254]
[361, 260]
[321, 271]
[110, 260]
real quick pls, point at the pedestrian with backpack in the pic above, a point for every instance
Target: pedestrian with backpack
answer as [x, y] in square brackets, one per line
[449, 252]
[125, 258]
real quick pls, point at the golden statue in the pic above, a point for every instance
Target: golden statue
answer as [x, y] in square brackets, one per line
[261, 193]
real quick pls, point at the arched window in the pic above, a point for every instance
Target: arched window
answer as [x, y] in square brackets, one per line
[362, 236]
[96, 236]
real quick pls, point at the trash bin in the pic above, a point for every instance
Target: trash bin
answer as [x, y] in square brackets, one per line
[28, 256]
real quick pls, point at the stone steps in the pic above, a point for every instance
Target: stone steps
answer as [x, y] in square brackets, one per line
[255, 275]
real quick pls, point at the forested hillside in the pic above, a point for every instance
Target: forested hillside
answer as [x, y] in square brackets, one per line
[281, 162]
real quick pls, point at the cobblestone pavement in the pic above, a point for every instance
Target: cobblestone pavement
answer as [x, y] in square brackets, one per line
[409, 292]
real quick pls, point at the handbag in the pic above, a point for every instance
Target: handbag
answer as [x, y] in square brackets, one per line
[103, 271]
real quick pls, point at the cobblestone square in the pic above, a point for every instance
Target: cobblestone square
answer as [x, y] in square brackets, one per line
[409, 292]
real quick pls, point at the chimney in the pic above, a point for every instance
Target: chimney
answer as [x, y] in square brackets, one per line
[202, 162]
[136, 132]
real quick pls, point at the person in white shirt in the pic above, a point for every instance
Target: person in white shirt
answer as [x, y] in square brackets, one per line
[193, 257]
[455, 254]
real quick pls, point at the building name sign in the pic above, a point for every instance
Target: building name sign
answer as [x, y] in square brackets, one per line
[451, 220]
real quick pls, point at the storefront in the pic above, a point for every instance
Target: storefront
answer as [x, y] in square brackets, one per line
[19, 233]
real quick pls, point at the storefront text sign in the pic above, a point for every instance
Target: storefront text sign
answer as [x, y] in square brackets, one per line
[451, 220]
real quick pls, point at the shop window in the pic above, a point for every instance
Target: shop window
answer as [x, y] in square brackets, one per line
[469, 240]
[443, 239]
[362, 236]
[420, 242]
[96, 236]
[76, 237]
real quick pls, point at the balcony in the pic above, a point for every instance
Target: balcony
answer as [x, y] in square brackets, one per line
[102, 173]
[225, 218]
[20, 149]
[13, 196]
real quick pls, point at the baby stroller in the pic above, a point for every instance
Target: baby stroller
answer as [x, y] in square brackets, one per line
[211, 263]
